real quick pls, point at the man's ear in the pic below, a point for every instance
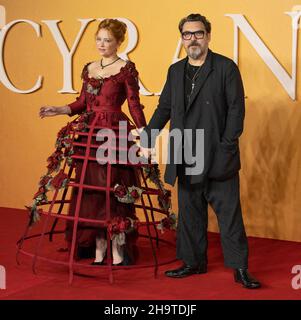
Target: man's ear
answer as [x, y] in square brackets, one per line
[209, 37]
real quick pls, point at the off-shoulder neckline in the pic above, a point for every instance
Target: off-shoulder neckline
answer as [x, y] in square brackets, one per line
[128, 62]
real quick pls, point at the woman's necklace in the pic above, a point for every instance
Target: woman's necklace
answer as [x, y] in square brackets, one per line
[103, 66]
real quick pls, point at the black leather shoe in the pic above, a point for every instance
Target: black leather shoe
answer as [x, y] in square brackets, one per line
[246, 279]
[185, 271]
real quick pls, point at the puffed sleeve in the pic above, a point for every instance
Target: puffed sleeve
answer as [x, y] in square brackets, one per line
[132, 94]
[79, 105]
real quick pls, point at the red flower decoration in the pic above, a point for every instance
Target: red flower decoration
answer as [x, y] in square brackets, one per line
[169, 223]
[118, 225]
[39, 192]
[44, 180]
[166, 223]
[81, 126]
[54, 160]
[120, 191]
[52, 166]
[83, 117]
[64, 131]
[58, 180]
[95, 83]
[67, 151]
[67, 142]
[135, 194]
[164, 199]
[56, 156]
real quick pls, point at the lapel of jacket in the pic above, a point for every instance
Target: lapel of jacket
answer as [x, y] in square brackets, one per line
[180, 85]
[204, 73]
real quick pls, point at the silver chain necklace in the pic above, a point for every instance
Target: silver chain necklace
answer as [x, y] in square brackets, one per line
[193, 81]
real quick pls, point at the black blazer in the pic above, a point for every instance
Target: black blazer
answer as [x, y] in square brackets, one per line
[216, 105]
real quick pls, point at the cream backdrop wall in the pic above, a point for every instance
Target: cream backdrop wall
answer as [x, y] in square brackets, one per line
[270, 145]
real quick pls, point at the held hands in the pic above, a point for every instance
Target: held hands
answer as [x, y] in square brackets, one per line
[148, 153]
[139, 130]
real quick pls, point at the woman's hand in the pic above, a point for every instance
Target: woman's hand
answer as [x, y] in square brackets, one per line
[53, 111]
[147, 152]
[48, 112]
[139, 130]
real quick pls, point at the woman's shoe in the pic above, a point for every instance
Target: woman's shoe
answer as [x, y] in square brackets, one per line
[97, 263]
[125, 262]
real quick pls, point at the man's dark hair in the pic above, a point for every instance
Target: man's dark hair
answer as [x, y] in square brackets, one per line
[196, 17]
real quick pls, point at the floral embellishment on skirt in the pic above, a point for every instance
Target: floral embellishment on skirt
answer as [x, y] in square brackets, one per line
[169, 223]
[55, 178]
[120, 226]
[127, 194]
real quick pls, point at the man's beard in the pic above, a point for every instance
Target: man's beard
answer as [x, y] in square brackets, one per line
[196, 52]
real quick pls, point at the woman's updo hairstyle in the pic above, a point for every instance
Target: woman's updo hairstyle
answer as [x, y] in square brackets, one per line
[116, 27]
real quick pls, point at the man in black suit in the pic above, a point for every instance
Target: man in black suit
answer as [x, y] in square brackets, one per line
[204, 91]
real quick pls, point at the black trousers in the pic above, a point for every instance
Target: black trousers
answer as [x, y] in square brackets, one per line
[224, 198]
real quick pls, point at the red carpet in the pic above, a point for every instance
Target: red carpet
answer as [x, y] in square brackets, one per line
[271, 261]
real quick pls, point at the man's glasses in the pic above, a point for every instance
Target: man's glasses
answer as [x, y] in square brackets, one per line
[187, 35]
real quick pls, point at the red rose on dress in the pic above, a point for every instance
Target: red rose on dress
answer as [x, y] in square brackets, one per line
[118, 225]
[122, 226]
[54, 160]
[133, 71]
[67, 142]
[94, 82]
[165, 195]
[81, 126]
[164, 199]
[44, 180]
[39, 192]
[64, 131]
[166, 223]
[135, 194]
[67, 151]
[83, 117]
[120, 191]
[52, 165]
[58, 180]
[56, 156]
[113, 228]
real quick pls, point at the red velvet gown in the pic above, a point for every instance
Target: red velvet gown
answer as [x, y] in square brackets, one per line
[104, 97]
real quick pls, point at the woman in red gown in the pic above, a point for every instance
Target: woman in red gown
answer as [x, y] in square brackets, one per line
[106, 85]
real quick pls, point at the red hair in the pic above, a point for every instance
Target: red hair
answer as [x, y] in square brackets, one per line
[116, 27]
